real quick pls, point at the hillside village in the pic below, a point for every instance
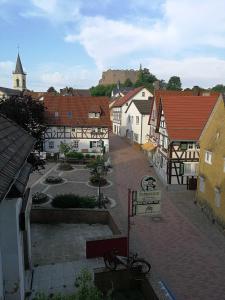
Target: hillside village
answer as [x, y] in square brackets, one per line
[68, 186]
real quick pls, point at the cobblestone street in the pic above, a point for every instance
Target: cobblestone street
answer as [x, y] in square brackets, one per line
[185, 249]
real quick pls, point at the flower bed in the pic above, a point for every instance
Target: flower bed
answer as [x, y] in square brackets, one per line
[96, 181]
[54, 179]
[73, 201]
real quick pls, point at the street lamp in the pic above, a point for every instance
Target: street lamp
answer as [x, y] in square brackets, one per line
[100, 170]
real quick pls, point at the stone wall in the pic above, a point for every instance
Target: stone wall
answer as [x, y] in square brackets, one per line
[113, 76]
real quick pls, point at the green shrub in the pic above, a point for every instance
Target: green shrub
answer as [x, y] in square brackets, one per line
[74, 154]
[39, 198]
[95, 179]
[73, 201]
[65, 167]
[87, 156]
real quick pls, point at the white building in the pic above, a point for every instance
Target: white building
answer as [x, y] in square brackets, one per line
[120, 106]
[15, 244]
[137, 121]
[81, 122]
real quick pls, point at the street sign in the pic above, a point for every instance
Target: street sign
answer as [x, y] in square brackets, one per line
[148, 203]
[148, 183]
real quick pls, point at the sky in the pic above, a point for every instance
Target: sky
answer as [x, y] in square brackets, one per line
[70, 42]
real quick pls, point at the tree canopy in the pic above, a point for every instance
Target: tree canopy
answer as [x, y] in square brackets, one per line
[51, 89]
[27, 113]
[174, 83]
[219, 88]
[102, 90]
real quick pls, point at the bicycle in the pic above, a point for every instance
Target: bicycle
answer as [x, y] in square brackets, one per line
[132, 262]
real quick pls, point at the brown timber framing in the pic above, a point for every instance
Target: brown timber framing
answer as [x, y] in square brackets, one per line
[178, 156]
[62, 132]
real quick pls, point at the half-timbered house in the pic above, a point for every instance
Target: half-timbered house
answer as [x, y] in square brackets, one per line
[180, 121]
[81, 122]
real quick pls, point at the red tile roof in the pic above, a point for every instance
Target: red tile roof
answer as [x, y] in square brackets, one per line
[121, 101]
[186, 116]
[78, 109]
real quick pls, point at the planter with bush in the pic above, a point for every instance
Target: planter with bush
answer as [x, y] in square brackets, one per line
[73, 201]
[97, 180]
[39, 198]
[65, 167]
[53, 179]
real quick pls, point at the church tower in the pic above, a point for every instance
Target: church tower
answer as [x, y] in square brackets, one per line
[19, 76]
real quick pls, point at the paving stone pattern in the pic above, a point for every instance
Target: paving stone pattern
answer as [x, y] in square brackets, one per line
[54, 243]
[185, 250]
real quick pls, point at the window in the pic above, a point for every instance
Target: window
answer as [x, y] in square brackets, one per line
[96, 144]
[69, 114]
[94, 115]
[143, 94]
[73, 129]
[181, 170]
[17, 82]
[201, 184]
[190, 146]
[51, 144]
[137, 120]
[190, 168]
[76, 144]
[183, 146]
[56, 114]
[208, 157]
[217, 196]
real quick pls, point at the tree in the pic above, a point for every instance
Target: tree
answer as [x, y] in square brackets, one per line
[219, 88]
[52, 90]
[128, 83]
[27, 113]
[146, 79]
[102, 90]
[174, 83]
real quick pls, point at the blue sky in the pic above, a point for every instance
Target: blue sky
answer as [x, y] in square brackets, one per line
[70, 42]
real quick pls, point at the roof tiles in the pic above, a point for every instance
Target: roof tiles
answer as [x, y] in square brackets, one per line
[186, 116]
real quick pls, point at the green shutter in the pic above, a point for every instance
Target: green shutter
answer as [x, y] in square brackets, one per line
[181, 171]
[90, 144]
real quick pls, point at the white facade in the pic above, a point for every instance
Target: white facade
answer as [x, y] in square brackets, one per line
[12, 252]
[93, 140]
[119, 124]
[137, 125]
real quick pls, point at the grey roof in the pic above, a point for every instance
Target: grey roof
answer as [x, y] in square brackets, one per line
[19, 68]
[10, 92]
[15, 145]
[143, 106]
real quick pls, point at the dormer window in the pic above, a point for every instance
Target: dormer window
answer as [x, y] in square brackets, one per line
[69, 114]
[94, 115]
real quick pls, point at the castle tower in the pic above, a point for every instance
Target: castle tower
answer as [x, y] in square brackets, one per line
[19, 76]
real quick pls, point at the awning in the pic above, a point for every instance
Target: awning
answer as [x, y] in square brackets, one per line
[148, 146]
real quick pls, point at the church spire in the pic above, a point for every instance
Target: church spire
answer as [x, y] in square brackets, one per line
[19, 67]
[19, 76]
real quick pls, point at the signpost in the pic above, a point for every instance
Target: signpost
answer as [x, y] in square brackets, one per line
[144, 202]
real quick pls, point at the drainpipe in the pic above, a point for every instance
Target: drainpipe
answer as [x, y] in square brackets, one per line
[141, 127]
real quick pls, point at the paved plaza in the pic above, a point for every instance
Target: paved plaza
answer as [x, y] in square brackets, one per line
[185, 249]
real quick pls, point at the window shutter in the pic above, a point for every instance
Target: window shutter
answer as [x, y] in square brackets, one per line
[102, 144]
[90, 144]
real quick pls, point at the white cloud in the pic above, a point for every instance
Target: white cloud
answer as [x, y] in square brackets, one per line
[186, 25]
[6, 68]
[61, 76]
[203, 71]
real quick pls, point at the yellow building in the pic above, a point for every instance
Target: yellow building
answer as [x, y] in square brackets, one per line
[211, 179]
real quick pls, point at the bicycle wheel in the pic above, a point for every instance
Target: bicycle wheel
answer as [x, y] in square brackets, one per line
[110, 263]
[140, 266]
